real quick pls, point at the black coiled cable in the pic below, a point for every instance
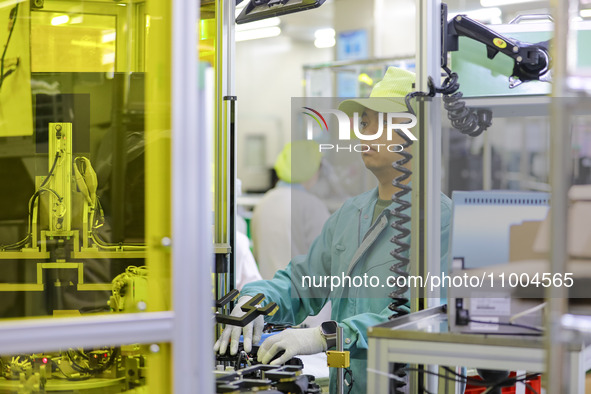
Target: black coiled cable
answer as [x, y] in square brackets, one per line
[399, 224]
[468, 121]
[399, 301]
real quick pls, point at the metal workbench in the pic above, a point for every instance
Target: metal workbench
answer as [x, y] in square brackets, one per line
[424, 338]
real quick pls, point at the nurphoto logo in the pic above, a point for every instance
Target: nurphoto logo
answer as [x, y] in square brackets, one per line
[316, 121]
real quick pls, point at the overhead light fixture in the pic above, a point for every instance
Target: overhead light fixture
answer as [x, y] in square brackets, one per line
[253, 34]
[262, 9]
[324, 38]
[500, 3]
[585, 13]
[59, 20]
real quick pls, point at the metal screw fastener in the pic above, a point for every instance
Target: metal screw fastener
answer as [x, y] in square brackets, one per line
[459, 18]
[166, 242]
[154, 348]
[516, 49]
[519, 59]
[141, 306]
[58, 127]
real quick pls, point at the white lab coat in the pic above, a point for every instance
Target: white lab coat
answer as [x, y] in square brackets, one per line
[284, 224]
[246, 267]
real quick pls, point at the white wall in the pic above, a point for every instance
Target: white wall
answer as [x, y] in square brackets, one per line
[268, 74]
[395, 28]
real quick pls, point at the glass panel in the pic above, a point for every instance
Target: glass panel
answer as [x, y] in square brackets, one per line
[86, 41]
[72, 125]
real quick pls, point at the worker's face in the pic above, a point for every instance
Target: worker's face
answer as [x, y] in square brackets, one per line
[378, 157]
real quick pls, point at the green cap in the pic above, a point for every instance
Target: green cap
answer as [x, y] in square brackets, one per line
[298, 161]
[386, 96]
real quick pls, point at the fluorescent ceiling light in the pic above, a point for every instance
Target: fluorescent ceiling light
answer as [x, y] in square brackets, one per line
[324, 33]
[265, 32]
[498, 3]
[585, 13]
[60, 20]
[271, 22]
[325, 42]
[324, 38]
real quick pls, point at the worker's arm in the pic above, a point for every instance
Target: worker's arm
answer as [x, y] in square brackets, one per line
[296, 302]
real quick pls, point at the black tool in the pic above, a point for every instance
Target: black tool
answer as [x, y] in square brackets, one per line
[252, 309]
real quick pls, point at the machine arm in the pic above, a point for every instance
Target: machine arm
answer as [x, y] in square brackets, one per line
[532, 61]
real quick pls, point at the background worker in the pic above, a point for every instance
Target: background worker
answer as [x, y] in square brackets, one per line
[289, 218]
[356, 240]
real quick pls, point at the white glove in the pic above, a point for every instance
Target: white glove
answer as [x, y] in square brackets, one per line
[252, 332]
[296, 341]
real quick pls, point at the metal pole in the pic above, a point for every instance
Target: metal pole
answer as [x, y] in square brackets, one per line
[229, 47]
[340, 371]
[191, 217]
[560, 176]
[428, 64]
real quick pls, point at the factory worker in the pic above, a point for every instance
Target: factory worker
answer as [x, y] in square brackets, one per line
[356, 240]
[289, 218]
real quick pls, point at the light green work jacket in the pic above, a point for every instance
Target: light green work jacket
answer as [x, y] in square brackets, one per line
[332, 254]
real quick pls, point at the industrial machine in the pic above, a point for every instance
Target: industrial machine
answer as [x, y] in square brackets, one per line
[483, 225]
[62, 234]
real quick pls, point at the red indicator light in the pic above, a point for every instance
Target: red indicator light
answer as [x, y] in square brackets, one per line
[44, 360]
[105, 355]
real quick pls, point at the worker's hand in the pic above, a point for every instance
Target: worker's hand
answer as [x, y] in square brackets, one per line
[252, 332]
[296, 341]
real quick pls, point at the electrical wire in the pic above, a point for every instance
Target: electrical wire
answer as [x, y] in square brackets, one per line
[508, 325]
[22, 242]
[50, 174]
[400, 253]
[351, 382]
[102, 243]
[468, 121]
[527, 312]
[13, 15]
[86, 369]
[68, 376]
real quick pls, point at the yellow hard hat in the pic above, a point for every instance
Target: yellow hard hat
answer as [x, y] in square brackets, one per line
[298, 161]
[386, 96]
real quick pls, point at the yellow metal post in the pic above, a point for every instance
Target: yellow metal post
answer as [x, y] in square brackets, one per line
[158, 183]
